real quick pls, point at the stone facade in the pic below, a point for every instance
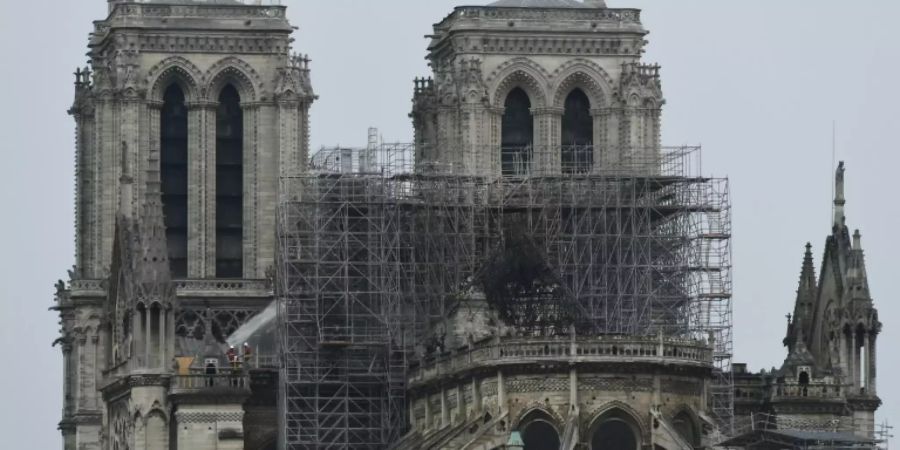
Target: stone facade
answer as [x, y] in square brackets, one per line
[475, 397]
[146, 349]
[480, 54]
[124, 319]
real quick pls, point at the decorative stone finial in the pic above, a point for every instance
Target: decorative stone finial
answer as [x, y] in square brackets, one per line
[857, 240]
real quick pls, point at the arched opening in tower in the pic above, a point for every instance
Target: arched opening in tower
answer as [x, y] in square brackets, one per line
[517, 134]
[577, 134]
[540, 435]
[229, 185]
[174, 177]
[614, 434]
[860, 358]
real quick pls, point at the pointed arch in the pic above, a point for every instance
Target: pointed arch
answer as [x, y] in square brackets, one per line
[616, 426]
[238, 73]
[687, 423]
[175, 70]
[586, 75]
[539, 430]
[520, 73]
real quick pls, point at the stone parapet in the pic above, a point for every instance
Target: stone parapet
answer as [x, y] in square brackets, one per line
[480, 14]
[524, 351]
[224, 288]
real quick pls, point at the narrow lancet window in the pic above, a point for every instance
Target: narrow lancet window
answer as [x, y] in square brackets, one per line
[517, 134]
[174, 177]
[577, 134]
[229, 185]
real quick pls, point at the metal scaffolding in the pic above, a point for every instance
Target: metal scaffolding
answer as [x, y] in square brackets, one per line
[369, 260]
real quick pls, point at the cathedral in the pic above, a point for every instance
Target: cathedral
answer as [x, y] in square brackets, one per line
[534, 270]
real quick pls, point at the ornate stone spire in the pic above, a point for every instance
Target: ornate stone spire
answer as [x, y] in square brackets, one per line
[806, 297]
[152, 268]
[799, 354]
[857, 279]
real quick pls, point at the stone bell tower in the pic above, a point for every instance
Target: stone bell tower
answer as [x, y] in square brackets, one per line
[187, 115]
[539, 87]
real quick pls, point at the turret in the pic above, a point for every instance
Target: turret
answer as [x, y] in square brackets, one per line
[804, 303]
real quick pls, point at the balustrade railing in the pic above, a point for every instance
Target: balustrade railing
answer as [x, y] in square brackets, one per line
[581, 350]
[617, 15]
[209, 8]
[224, 287]
[222, 380]
[811, 390]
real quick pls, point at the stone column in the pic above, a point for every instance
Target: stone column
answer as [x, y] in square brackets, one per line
[848, 350]
[80, 373]
[501, 392]
[162, 339]
[142, 164]
[95, 401]
[68, 407]
[857, 364]
[201, 189]
[842, 350]
[602, 154]
[170, 317]
[136, 339]
[148, 338]
[652, 135]
[261, 166]
[466, 156]
[573, 388]
[491, 153]
[872, 360]
[107, 151]
[547, 158]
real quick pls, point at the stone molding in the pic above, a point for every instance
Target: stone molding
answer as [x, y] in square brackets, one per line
[616, 16]
[208, 417]
[138, 10]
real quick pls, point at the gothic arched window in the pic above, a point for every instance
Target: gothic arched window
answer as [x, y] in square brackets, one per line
[577, 134]
[229, 185]
[174, 176]
[517, 134]
[614, 435]
[540, 435]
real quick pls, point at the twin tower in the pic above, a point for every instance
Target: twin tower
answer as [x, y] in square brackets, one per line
[187, 117]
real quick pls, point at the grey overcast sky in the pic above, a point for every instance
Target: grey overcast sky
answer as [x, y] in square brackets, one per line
[758, 83]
